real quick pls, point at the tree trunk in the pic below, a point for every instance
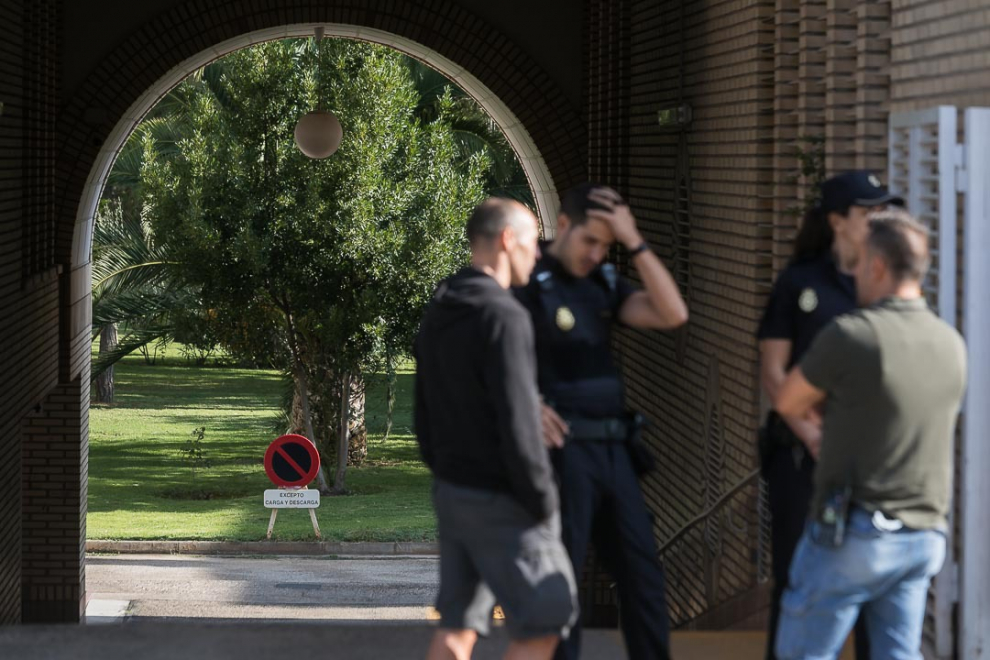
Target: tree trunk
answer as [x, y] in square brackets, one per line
[104, 382]
[296, 422]
[343, 436]
[307, 419]
[390, 398]
[358, 428]
[299, 374]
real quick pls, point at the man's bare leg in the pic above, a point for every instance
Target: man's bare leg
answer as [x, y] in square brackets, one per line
[540, 648]
[450, 644]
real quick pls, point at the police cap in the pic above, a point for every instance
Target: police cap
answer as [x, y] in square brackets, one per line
[856, 188]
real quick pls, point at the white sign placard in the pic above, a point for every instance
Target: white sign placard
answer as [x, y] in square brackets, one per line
[291, 498]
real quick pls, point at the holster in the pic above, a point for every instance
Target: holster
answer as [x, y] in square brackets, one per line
[642, 460]
[627, 430]
[774, 434]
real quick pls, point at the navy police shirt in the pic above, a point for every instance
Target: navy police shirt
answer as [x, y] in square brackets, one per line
[572, 320]
[807, 295]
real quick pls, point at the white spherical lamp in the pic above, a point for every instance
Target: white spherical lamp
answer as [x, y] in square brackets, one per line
[318, 134]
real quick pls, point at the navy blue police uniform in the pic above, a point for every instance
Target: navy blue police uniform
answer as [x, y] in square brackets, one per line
[807, 295]
[601, 501]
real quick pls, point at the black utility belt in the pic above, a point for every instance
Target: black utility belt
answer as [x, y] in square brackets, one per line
[779, 434]
[606, 429]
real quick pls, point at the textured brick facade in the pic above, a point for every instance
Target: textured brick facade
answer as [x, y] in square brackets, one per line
[55, 453]
[719, 199]
[940, 54]
[29, 279]
[702, 193]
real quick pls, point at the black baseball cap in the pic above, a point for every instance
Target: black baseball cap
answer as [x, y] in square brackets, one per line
[856, 188]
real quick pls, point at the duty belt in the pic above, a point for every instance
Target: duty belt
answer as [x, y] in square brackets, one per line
[780, 434]
[606, 429]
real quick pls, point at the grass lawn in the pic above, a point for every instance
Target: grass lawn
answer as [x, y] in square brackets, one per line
[140, 483]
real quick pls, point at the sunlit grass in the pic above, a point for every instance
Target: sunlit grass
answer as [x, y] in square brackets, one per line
[138, 475]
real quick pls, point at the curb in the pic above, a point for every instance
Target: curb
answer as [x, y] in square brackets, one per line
[308, 548]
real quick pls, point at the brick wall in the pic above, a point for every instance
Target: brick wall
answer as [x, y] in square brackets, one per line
[703, 195]
[55, 455]
[720, 201]
[29, 286]
[940, 54]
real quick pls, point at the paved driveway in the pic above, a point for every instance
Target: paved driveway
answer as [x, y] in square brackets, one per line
[158, 587]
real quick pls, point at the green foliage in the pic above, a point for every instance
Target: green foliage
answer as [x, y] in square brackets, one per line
[134, 286]
[810, 152]
[333, 257]
[474, 131]
[138, 490]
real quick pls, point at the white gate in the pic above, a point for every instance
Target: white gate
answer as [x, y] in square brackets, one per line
[922, 169]
[930, 169]
[974, 605]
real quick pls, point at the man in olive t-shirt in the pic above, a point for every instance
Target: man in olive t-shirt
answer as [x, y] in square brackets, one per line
[889, 379]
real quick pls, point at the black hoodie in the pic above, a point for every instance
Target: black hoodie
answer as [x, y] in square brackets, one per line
[477, 413]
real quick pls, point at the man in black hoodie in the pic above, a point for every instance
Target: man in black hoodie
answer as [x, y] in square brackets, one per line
[478, 423]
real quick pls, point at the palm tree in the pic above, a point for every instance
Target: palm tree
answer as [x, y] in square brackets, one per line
[133, 289]
[474, 130]
[132, 285]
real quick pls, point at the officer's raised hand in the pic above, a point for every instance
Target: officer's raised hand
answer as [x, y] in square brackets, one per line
[618, 217]
[660, 305]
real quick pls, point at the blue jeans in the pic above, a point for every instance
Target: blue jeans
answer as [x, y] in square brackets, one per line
[885, 574]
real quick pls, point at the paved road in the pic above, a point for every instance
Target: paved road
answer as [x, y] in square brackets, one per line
[179, 606]
[393, 589]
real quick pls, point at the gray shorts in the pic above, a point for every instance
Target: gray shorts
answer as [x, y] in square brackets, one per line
[492, 550]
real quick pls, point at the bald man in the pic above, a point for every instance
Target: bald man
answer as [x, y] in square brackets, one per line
[478, 424]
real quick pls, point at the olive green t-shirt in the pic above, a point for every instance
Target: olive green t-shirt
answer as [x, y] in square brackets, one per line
[894, 376]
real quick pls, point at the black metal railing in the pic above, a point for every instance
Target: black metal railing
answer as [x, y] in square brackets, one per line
[722, 552]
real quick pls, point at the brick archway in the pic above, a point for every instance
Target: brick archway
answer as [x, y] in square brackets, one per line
[546, 132]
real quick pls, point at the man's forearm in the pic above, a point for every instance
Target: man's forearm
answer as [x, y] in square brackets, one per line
[797, 397]
[659, 284]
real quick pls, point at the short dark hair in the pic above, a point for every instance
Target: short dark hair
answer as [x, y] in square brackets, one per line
[490, 218]
[574, 203]
[902, 242]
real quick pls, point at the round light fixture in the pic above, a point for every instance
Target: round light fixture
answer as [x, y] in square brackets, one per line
[318, 134]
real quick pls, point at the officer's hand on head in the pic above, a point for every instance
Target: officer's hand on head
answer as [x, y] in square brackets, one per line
[555, 429]
[618, 217]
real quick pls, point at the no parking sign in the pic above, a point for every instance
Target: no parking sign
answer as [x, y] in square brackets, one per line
[292, 461]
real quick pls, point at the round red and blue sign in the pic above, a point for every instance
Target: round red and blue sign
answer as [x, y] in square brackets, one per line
[292, 461]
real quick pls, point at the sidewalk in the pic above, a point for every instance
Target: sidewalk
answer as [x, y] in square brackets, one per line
[267, 548]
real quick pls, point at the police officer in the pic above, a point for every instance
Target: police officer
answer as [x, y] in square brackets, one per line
[574, 301]
[813, 289]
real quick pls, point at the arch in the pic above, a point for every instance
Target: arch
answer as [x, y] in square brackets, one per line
[547, 135]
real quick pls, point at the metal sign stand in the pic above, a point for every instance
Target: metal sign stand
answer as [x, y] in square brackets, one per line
[292, 462]
[312, 517]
